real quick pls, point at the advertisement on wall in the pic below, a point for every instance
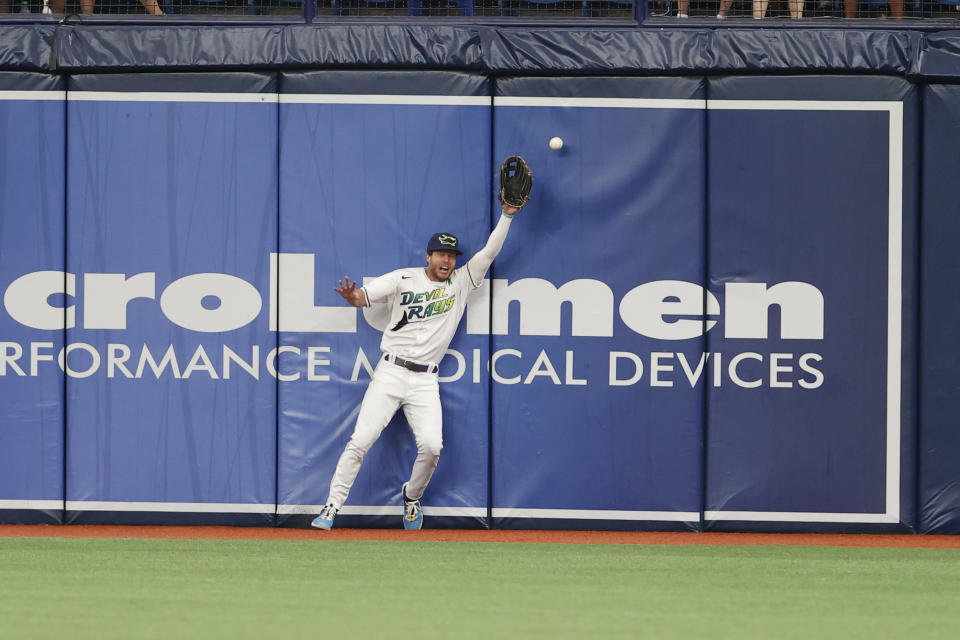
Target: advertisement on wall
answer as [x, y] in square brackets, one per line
[698, 319]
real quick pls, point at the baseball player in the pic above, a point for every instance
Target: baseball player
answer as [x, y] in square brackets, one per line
[426, 305]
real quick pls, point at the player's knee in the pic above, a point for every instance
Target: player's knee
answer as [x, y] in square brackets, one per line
[358, 447]
[431, 447]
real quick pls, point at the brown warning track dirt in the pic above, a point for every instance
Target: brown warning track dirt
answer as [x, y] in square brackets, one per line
[564, 537]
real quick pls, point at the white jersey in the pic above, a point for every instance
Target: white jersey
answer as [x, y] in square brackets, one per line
[424, 315]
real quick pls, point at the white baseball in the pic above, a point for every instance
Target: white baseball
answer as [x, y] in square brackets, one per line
[556, 143]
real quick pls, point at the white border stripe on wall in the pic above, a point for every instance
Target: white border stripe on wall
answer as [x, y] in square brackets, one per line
[391, 99]
[598, 514]
[894, 311]
[380, 510]
[167, 96]
[32, 504]
[605, 103]
[285, 98]
[797, 516]
[804, 105]
[33, 95]
[894, 308]
[170, 507]
[480, 512]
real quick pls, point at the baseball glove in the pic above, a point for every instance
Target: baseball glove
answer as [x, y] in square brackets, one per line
[516, 179]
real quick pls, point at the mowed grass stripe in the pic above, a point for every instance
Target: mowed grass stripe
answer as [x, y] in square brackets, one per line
[143, 588]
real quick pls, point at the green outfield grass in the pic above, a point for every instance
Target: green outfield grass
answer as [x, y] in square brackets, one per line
[135, 588]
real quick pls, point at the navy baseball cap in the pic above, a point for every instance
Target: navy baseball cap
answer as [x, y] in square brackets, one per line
[444, 242]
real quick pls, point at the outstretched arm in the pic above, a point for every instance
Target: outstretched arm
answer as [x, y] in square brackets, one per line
[350, 293]
[481, 261]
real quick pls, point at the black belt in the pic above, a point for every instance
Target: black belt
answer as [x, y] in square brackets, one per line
[412, 366]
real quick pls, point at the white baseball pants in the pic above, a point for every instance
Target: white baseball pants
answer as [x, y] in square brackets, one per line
[393, 387]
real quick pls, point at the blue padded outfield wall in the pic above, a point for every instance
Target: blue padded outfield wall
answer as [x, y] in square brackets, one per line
[939, 401]
[812, 191]
[32, 240]
[728, 306]
[171, 216]
[582, 426]
[359, 196]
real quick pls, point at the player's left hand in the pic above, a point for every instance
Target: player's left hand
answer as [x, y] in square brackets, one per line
[516, 180]
[507, 209]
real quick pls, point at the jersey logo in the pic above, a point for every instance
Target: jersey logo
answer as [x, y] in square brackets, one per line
[405, 277]
[418, 307]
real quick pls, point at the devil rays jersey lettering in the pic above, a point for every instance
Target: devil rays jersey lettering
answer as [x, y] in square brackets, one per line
[420, 307]
[424, 315]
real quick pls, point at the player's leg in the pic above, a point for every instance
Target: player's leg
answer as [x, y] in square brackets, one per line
[425, 417]
[380, 402]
